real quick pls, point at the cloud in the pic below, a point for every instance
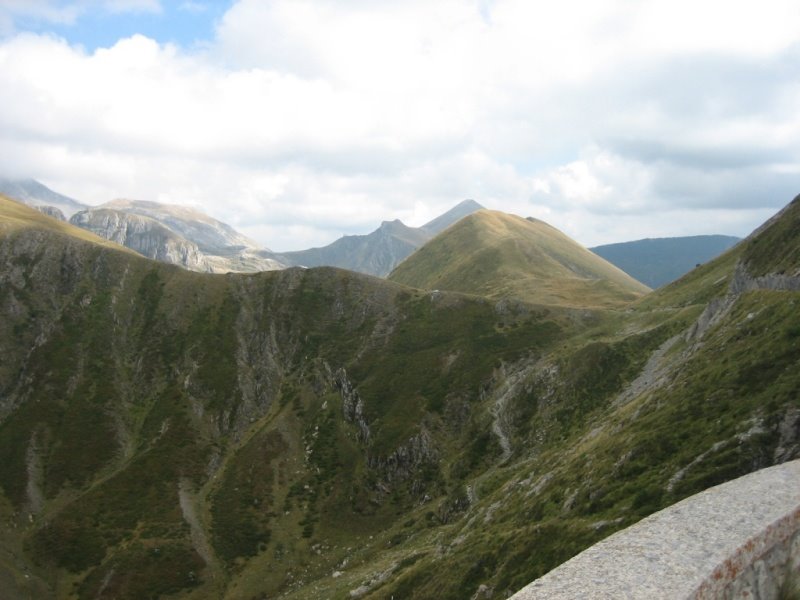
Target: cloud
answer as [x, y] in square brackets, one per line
[45, 10]
[131, 6]
[59, 12]
[193, 7]
[306, 119]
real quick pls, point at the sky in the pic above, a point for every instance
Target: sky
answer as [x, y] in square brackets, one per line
[298, 121]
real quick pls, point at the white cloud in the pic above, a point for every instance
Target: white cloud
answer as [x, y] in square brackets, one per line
[193, 7]
[306, 119]
[132, 6]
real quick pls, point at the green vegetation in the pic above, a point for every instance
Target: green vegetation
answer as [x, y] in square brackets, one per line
[170, 433]
[776, 249]
[500, 256]
[145, 572]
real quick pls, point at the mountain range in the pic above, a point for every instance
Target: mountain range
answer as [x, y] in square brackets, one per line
[189, 238]
[319, 433]
[379, 252]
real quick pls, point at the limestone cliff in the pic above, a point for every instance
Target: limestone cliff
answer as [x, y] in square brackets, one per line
[143, 235]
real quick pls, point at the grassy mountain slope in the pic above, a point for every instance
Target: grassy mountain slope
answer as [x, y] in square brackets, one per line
[656, 262]
[499, 255]
[322, 434]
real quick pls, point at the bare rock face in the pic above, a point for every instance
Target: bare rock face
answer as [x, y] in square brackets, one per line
[155, 239]
[352, 405]
[51, 211]
[143, 235]
[210, 235]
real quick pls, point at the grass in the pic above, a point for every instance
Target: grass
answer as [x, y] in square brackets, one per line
[776, 249]
[145, 375]
[500, 256]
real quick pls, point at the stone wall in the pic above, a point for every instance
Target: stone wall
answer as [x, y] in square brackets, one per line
[740, 539]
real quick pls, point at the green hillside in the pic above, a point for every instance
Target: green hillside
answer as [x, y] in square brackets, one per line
[497, 255]
[323, 434]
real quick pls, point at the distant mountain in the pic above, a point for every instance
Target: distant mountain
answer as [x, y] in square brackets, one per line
[455, 214]
[176, 235]
[500, 255]
[33, 193]
[375, 254]
[658, 261]
[210, 235]
[144, 235]
[379, 252]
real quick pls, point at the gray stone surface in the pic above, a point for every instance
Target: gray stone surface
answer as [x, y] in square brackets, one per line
[735, 540]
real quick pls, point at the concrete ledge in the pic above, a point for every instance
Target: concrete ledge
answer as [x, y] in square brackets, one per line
[736, 540]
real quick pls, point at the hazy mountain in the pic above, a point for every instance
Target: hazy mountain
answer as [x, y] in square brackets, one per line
[33, 193]
[210, 235]
[323, 434]
[503, 256]
[658, 261]
[144, 235]
[159, 231]
[377, 253]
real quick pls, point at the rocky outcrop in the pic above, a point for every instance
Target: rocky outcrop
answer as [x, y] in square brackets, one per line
[157, 240]
[509, 381]
[743, 282]
[352, 405]
[52, 211]
[405, 461]
[143, 235]
[210, 235]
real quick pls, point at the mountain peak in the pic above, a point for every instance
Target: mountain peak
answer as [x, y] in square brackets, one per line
[459, 211]
[392, 224]
[499, 255]
[380, 251]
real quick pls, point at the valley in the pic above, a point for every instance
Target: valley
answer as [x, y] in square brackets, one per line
[495, 406]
